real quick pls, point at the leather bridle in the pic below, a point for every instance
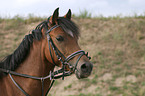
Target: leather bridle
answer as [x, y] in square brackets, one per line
[61, 73]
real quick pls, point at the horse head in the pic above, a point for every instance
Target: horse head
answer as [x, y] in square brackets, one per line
[61, 45]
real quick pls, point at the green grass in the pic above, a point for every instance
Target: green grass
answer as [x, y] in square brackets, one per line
[32, 19]
[90, 94]
[83, 14]
[67, 87]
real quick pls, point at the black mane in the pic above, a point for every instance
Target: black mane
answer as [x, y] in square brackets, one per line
[12, 61]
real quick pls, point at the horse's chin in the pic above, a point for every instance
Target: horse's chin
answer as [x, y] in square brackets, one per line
[80, 75]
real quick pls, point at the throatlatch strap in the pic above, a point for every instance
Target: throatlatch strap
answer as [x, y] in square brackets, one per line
[17, 85]
[50, 87]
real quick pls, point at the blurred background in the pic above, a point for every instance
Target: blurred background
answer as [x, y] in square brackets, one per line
[112, 31]
[107, 8]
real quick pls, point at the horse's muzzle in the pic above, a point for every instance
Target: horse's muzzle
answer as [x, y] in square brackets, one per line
[84, 70]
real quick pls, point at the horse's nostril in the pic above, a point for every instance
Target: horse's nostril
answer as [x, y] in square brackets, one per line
[84, 67]
[84, 70]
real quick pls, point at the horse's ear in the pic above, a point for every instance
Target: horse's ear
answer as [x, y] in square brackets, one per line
[54, 17]
[68, 15]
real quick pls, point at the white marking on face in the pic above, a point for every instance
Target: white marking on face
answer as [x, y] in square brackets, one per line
[70, 33]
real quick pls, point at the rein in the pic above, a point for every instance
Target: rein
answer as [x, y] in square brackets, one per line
[61, 73]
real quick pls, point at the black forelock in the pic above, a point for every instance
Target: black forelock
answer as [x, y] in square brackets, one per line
[67, 24]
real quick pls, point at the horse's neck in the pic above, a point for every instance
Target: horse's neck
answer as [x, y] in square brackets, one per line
[35, 65]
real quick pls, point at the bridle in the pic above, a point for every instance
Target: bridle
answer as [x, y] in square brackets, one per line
[60, 56]
[61, 73]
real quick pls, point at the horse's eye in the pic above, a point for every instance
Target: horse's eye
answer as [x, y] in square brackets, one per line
[60, 38]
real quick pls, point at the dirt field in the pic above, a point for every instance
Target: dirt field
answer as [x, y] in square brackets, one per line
[117, 48]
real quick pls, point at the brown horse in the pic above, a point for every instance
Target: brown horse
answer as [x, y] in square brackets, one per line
[29, 69]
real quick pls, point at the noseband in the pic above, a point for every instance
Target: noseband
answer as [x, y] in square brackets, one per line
[61, 73]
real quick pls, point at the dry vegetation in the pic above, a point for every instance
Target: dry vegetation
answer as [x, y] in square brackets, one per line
[117, 48]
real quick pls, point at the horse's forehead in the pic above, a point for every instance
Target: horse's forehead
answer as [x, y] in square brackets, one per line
[70, 33]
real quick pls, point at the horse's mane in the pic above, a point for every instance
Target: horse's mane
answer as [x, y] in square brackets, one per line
[12, 61]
